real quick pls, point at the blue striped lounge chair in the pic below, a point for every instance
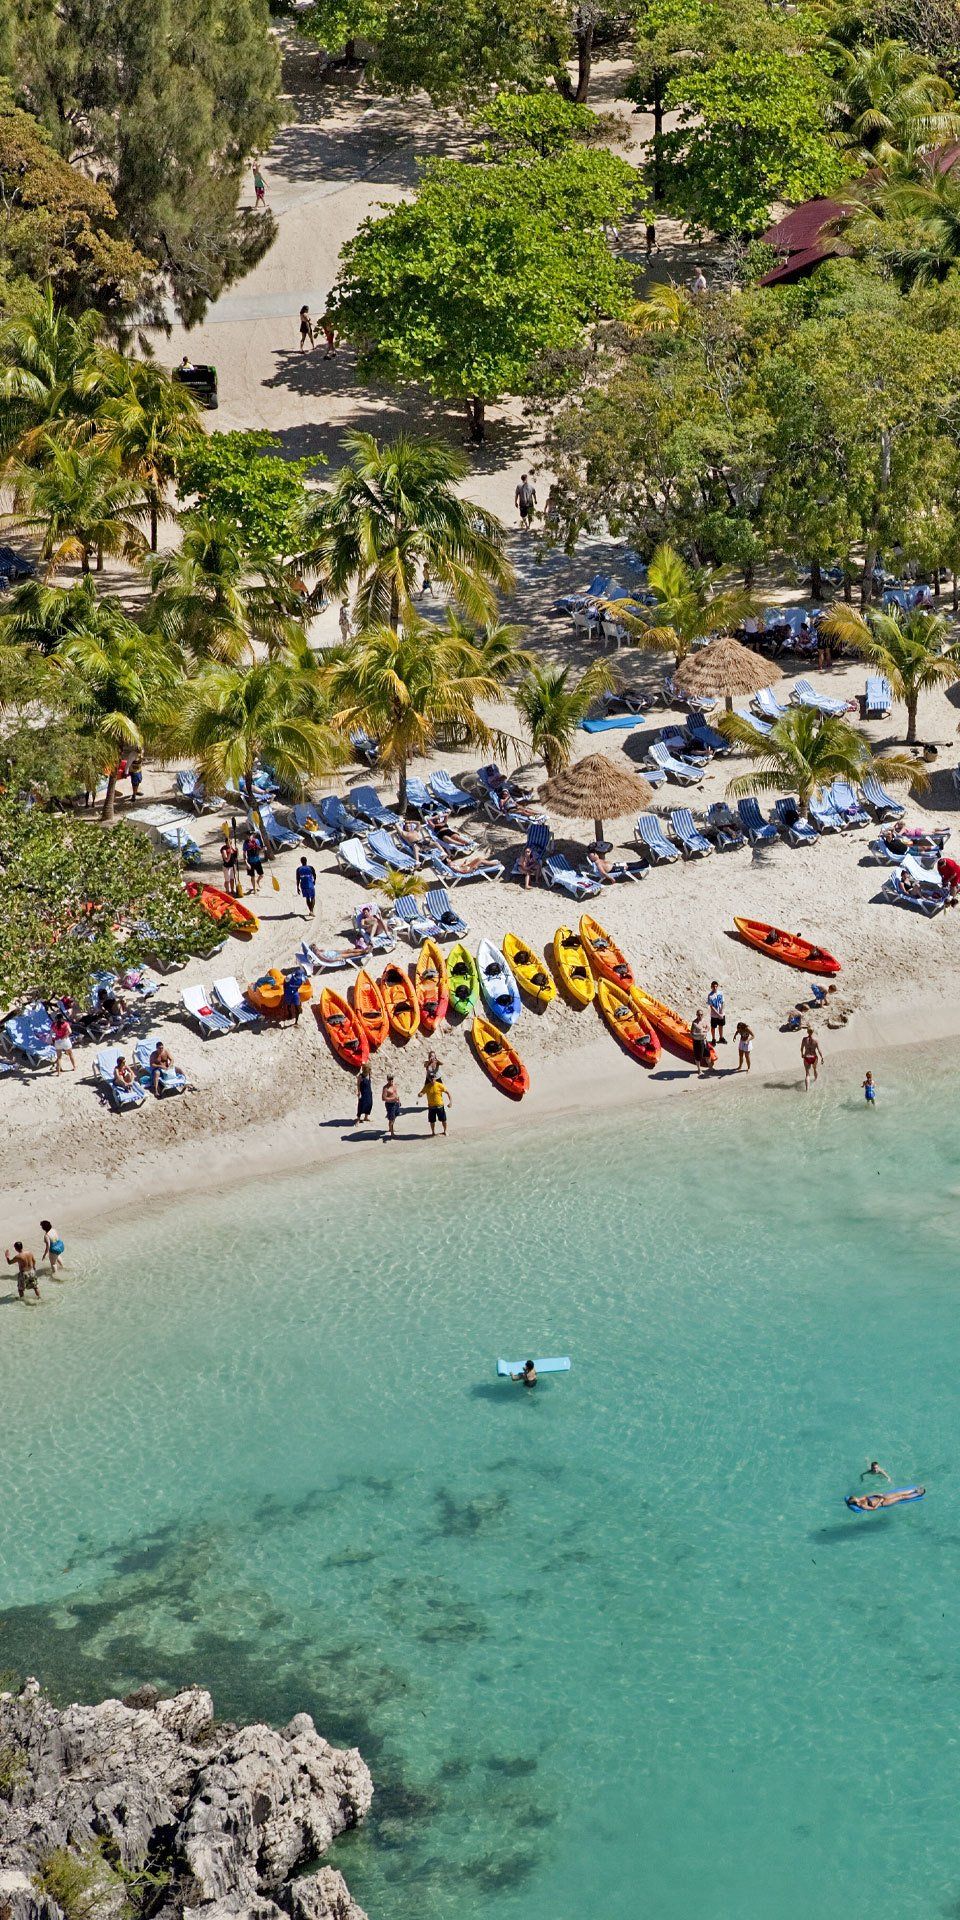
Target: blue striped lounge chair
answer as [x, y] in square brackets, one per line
[539, 842]
[796, 831]
[353, 859]
[279, 837]
[420, 799]
[842, 796]
[563, 878]
[825, 816]
[447, 792]
[308, 820]
[341, 822]
[725, 824]
[228, 996]
[451, 926]
[417, 925]
[386, 848]
[910, 891]
[685, 774]
[30, 1034]
[706, 739]
[803, 695]
[759, 831]
[199, 1008]
[653, 842]
[178, 840]
[172, 1081]
[104, 1068]
[693, 843]
[767, 706]
[878, 699]
[881, 803]
[367, 801]
[461, 877]
[365, 747]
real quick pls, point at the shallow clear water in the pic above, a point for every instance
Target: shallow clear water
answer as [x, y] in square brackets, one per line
[613, 1648]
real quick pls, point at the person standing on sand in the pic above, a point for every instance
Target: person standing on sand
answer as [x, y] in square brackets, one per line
[364, 1093]
[259, 188]
[230, 860]
[346, 624]
[718, 1018]
[811, 1054]
[438, 1100]
[525, 501]
[306, 878]
[329, 336]
[63, 1042]
[52, 1247]
[391, 1103]
[306, 329]
[26, 1268]
[743, 1036]
[701, 1045]
[253, 859]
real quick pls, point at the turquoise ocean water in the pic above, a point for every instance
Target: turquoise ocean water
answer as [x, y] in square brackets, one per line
[615, 1648]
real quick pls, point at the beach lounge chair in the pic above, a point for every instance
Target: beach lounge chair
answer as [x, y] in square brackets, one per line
[365, 747]
[417, 925]
[353, 859]
[617, 870]
[178, 840]
[759, 831]
[197, 1004]
[228, 996]
[30, 1034]
[189, 786]
[842, 796]
[539, 842]
[677, 742]
[878, 699]
[173, 1081]
[825, 816]
[881, 803]
[559, 874]
[928, 902]
[308, 821]
[444, 869]
[447, 792]
[367, 802]
[693, 843]
[653, 842]
[766, 706]
[420, 799]
[685, 774]
[338, 819]
[383, 845]
[706, 739]
[725, 824]
[803, 695]
[796, 831]
[278, 837]
[449, 922]
[104, 1067]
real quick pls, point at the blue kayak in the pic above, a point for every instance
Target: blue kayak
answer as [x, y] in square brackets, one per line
[507, 1367]
[497, 984]
[907, 1493]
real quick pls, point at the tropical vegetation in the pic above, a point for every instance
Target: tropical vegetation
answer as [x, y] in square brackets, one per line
[911, 650]
[806, 751]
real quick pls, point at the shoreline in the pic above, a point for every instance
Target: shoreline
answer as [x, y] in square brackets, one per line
[302, 1140]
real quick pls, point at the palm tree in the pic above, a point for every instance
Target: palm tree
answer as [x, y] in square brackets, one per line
[230, 716]
[553, 708]
[910, 649]
[402, 685]
[146, 420]
[38, 615]
[687, 607]
[392, 513]
[113, 681]
[78, 501]
[909, 221]
[46, 357]
[890, 101]
[216, 597]
[805, 750]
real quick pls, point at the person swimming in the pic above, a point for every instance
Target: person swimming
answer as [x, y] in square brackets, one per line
[877, 1470]
[527, 1377]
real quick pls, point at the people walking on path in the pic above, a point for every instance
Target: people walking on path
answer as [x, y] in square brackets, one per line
[525, 500]
[717, 1016]
[26, 1266]
[306, 878]
[53, 1248]
[253, 851]
[230, 860]
[259, 188]
[811, 1054]
[306, 329]
[329, 337]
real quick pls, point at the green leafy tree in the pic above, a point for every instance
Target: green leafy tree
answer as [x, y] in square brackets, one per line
[216, 597]
[237, 477]
[231, 716]
[113, 681]
[751, 132]
[669, 36]
[553, 703]
[166, 102]
[79, 503]
[393, 511]
[805, 751]
[403, 685]
[889, 100]
[910, 649]
[687, 608]
[144, 420]
[457, 51]
[483, 283]
[546, 124]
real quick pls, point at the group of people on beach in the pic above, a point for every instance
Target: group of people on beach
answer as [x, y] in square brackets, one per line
[437, 1095]
[26, 1264]
[308, 337]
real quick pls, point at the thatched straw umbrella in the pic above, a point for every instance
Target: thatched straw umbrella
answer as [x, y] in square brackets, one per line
[594, 789]
[723, 666]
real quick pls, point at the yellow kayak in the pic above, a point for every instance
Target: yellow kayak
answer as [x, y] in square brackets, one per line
[528, 970]
[572, 966]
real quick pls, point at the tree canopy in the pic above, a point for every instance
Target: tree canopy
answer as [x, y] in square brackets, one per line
[238, 477]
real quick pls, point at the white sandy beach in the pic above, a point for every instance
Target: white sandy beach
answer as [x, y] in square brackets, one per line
[261, 1102]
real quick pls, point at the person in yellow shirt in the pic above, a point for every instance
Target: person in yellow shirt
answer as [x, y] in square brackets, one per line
[438, 1100]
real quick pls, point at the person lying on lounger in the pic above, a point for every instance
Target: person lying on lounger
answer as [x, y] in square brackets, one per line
[869, 1502]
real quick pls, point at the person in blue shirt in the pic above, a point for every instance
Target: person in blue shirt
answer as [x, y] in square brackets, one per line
[869, 1090]
[307, 883]
[718, 1019]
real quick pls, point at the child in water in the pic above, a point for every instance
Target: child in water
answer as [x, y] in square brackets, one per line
[869, 1090]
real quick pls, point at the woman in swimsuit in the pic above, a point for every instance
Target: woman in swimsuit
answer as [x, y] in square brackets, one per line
[811, 1055]
[869, 1502]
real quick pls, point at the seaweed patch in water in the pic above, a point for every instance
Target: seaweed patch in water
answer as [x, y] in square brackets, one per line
[497, 1873]
[513, 1767]
[458, 1518]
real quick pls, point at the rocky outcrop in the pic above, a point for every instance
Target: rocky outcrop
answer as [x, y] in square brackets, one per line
[238, 1810]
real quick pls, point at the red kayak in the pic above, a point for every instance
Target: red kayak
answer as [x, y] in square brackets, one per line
[791, 948]
[343, 1029]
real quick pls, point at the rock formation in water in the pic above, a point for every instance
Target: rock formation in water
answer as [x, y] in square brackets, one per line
[222, 1816]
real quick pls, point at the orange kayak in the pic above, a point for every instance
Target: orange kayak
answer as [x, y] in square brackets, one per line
[604, 955]
[628, 1024]
[266, 994]
[498, 1059]
[400, 1000]
[343, 1029]
[368, 1009]
[673, 1032]
[224, 908]
[431, 985]
[791, 948]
